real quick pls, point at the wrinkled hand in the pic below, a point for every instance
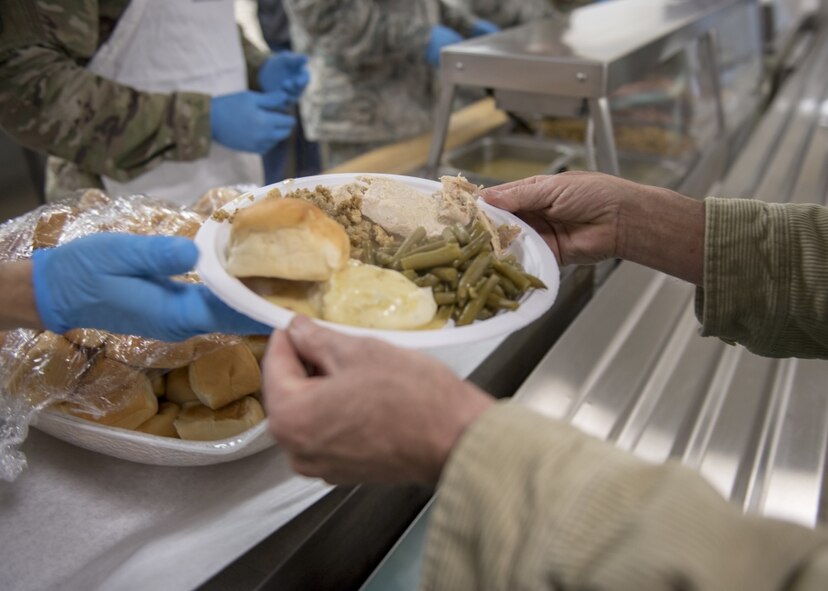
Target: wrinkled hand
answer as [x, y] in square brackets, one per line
[440, 37]
[576, 213]
[285, 71]
[121, 283]
[481, 27]
[370, 412]
[251, 121]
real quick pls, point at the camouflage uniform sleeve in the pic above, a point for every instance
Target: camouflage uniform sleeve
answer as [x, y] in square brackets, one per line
[254, 57]
[49, 102]
[358, 32]
[456, 16]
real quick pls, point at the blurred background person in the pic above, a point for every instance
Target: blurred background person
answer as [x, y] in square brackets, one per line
[372, 68]
[144, 96]
[295, 156]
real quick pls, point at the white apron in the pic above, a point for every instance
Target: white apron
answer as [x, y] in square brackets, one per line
[180, 45]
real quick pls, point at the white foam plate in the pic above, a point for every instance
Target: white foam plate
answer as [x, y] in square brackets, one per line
[529, 248]
[150, 449]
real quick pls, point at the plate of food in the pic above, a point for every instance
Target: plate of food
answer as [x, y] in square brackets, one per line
[418, 263]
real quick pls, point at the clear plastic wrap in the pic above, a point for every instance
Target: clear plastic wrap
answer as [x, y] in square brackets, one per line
[114, 380]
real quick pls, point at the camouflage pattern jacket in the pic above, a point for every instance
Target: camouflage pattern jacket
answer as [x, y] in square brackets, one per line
[508, 14]
[369, 78]
[50, 103]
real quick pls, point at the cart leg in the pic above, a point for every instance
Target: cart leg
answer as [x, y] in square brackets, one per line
[606, 156]
[442, 116]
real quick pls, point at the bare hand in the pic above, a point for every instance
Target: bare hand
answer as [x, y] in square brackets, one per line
[576, 213]
[369, 412]
[586, 217]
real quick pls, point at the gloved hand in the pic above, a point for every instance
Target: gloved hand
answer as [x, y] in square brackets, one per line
[481, 27]
[251, 121]
[285, 71]
[121, 283]
[440, 37]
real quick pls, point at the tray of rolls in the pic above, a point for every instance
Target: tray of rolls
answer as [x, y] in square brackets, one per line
[418, 263]
[190, 403]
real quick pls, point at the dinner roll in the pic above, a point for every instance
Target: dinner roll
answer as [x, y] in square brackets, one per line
[257, 345]
[50, 225]
[197, 422]
[149, 353]
[121, 394]
[50, 368]
[162, 423]
[178, 388]
[288, 239]
[225, 375]
[89, 338]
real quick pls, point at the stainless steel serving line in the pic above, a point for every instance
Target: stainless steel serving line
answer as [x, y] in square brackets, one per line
[573, 67]
[632, 369]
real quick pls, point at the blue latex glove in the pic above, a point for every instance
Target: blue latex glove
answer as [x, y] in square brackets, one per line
[285, 71]
[121, 283]
[440, 37]
[251, 121]
[481, 27]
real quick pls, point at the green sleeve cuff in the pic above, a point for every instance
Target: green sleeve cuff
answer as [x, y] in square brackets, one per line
[191, 125]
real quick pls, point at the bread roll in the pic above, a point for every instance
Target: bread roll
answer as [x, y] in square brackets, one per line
[50, 225]
[51, 367]
[288, 239]
[257, 345]
[149, 353]
[123, 395]
[89, 338]
[159, 384]
[178, 388]
[197, 422]
[162, 423]
[225, 375]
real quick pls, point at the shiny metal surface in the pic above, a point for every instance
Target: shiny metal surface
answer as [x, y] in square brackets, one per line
[632, 369]
[685, 70]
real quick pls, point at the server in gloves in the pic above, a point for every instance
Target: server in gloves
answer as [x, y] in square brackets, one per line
[121, 283]
[142, 96]
[372, 65]
[527, 502]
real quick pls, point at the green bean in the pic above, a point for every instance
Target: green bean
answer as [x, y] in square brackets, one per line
[384, 260]
[508, 287]
[473, 307]
[368, 253]
[410, 242]
[473, 274]
[513, 274]
[485, 314]
[410, 275]
[447, 274]
[498, 290]
[427, 280]
[433, 258]
[497, 302]
[432, 245]
[472, 249]
[475, 289]
[448, 235]
[461, 233]
[444, 313]
[534, 281]
[445, 297]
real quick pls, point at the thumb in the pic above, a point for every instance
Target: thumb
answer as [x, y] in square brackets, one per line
[323, 348]
[513, 196]
[137, 256]
[281, 365]
[273, 100]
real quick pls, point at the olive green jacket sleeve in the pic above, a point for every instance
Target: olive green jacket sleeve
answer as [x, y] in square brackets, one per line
[49, 102]
[528, 503]
[766, 276]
